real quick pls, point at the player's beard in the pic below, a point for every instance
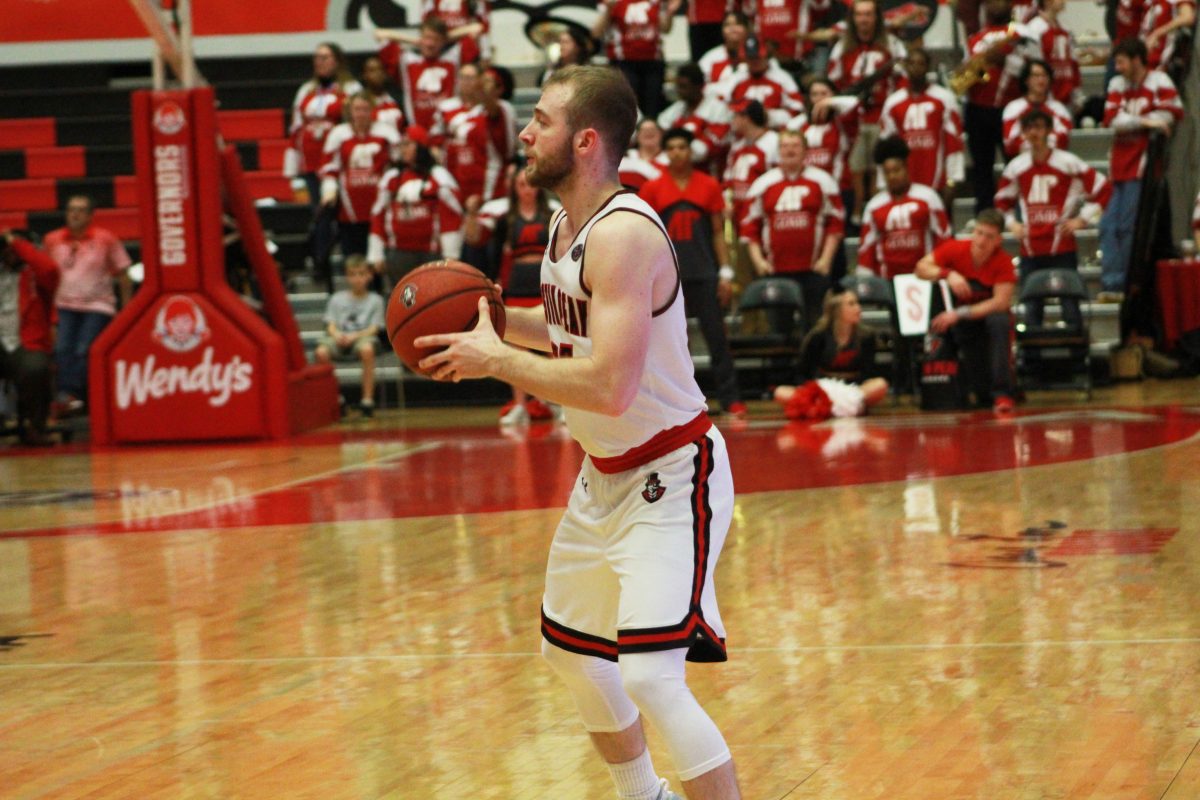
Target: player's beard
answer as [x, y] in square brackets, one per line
[549, 170]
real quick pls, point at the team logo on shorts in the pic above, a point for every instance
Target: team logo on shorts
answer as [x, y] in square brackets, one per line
[654, 489]
[577, 252]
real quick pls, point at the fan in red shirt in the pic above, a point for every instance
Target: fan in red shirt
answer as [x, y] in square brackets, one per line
[632, 31]
[28, 281]
[426, 74]
[795, 223]
[357, 153]
[723, 58]
[1057, 194]
[981, 277]
[384, 106]
[865, 49]
[1058, 49]
[1035, 96]
[418, 214]
[460, 14]
[927, 117]
[902, 223]
[693, 210]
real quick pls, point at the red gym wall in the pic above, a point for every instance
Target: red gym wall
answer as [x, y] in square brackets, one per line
[63, 20]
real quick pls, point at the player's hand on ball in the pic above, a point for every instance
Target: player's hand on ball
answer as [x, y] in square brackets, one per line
[464, 355]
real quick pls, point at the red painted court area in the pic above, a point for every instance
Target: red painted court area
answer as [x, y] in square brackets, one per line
[479, 470]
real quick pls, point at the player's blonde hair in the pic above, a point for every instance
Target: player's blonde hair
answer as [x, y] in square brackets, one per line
[601, 99]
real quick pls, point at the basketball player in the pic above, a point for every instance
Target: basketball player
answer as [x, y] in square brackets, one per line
[629, 584]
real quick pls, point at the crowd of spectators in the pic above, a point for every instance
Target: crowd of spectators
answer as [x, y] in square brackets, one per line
[803, 123]
[793, 125]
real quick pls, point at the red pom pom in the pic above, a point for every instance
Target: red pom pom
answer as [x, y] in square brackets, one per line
[809, 403]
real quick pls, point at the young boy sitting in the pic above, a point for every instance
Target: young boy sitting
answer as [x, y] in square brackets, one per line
[353, 319]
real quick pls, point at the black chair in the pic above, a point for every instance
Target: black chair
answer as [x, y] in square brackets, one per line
[1055, 355]
[768, 325]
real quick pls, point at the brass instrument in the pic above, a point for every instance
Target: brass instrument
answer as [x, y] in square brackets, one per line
[975, 69]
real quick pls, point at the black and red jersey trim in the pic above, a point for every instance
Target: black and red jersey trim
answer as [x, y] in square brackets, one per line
[693, 631]
[577, 641]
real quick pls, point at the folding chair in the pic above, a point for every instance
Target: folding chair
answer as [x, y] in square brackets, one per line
[768, 324]
[1055, 354]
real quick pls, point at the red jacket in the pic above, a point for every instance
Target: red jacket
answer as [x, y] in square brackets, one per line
[35, 302]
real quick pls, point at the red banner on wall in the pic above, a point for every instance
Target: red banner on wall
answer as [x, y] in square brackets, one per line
[67, 20]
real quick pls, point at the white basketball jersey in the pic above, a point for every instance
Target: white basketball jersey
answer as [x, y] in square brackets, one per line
[667, 394]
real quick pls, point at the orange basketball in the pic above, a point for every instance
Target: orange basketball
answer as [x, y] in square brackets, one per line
[438, 297]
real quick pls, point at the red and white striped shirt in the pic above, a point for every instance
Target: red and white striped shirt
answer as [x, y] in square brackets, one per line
[316, 109]
[355, 164]
[635, 171]
[899, 231]
[388, 111]
[633, 33]
[412, 211]
[425, 82]
[848, 66]
[716, 64]
[828, 144]
[929, 123]
[790, 216]
[1157, 14]
[775, 89]
[1058, 50]
[1000, 87]
[1124, 108]
[1048, 193]
[1015, 111]
[747, 162]
[709, 123]
[456, 13]
[478, 148]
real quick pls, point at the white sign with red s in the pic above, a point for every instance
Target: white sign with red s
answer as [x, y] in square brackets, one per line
[914, 297]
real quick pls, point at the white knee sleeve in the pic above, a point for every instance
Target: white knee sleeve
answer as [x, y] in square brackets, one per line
[595, 684]
[658, 685]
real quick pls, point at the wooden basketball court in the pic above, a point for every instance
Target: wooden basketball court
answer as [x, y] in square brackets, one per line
[919, 606]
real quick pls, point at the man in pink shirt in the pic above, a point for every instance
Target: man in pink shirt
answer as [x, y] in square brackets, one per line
[89, 258]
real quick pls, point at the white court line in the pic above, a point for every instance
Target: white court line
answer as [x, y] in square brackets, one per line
[927, 646]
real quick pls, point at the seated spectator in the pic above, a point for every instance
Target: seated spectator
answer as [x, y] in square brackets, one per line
[28, 281]
[795, 223]
[1035, 96]
[515, 231]
[353, 320]
[418, 213]
[357, 153]
[1048, 187]
[981, 277]
[89, 259]
[838, 354]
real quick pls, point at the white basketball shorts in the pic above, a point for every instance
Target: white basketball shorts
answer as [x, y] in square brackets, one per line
[632, 563]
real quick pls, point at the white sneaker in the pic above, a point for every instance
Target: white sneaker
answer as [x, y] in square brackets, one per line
[517, 415]
[666, 793]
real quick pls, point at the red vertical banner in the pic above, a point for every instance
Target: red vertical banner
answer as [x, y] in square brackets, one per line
[186, 360]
